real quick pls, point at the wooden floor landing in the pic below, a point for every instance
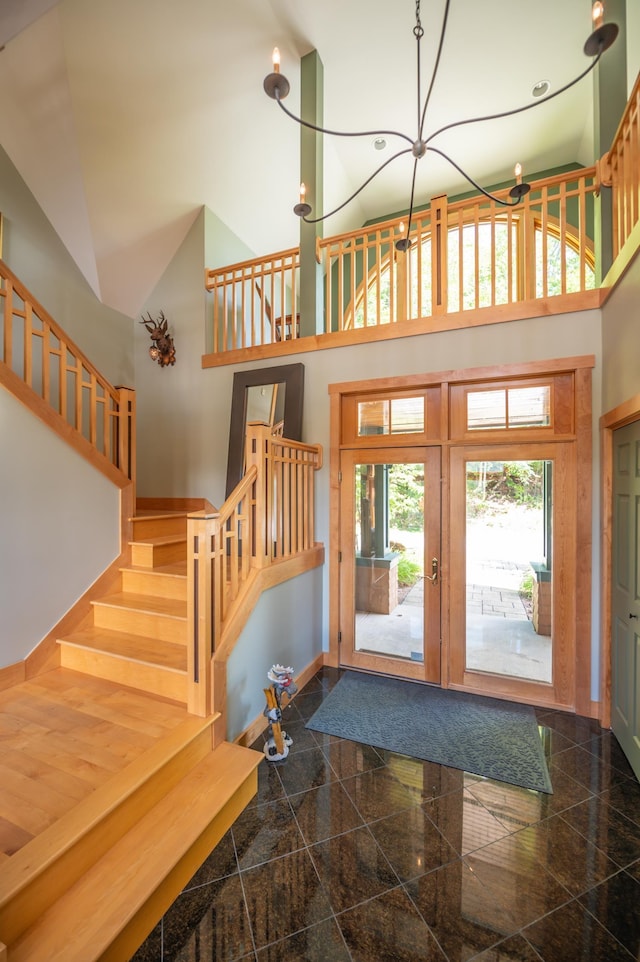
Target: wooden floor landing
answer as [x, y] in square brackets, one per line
[62, 735]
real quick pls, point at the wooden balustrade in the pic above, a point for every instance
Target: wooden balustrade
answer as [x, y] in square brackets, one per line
[471, 254]
[255, 302]
[624, 166]
[37, 354]
[269, 517]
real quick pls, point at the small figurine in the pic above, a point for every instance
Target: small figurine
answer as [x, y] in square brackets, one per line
[276, 747]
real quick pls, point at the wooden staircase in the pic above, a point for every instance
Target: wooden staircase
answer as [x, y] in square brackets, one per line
[93, 885]
[138, 632]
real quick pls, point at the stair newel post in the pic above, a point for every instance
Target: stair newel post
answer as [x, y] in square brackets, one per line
[200, 610]
[257, 452]
[126, 432]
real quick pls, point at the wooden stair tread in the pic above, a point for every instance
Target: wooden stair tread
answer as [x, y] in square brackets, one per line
[163, 539]
[150, 604]
[136, 648]
[85, 921]
[176, 570]
[158, 515]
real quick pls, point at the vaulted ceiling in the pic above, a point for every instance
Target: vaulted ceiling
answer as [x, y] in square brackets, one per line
[124, 117]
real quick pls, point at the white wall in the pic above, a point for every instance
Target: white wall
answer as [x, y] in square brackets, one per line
[59, 528]
[35, 253]
[279, 631]
[620, 326]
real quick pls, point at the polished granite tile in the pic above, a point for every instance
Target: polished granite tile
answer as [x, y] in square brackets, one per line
[573, 860]
[352, 868]
[269, 783]
[319, 943]
[574, 727]
[349, 758]
[412, 843]
[324, 812]
[460, 911]
[572, 934]
[585, 768]
[378, 792]
[300, 772]
[388, 929]
[608, 829]
[450, 866]
[284, 896]
[514, 878]
[616, 905]
[265, 832]
[464, 821]
[513, 949]
[625, 798]
[208, 922]
[220, 863]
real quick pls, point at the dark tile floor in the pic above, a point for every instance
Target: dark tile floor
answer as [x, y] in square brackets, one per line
[350, 854]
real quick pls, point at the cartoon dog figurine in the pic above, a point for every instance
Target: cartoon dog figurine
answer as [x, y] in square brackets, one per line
[277, 745]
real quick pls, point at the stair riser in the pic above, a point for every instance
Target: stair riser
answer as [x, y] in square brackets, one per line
[29, 904]
[147, 624]
[156, 585]
[150, 555]
[158, 527]
[154, 680]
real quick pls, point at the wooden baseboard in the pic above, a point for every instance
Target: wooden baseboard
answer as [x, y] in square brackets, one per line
[174, 504]
[258, 725]
[9, 676]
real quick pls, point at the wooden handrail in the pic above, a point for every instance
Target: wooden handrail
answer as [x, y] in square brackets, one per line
[623, 161]
[269, 517]
[465, 255]
[37, 352]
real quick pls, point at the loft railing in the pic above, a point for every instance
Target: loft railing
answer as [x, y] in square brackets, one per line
[268, 519]
[38, 355]
[624, 165]
[253, 302]
[466, 255]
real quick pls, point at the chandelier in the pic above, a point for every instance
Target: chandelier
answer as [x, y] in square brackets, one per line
[277, 87]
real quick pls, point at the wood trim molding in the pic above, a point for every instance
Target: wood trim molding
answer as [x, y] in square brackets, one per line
[40, 409]
[617, 417]
[175, 504]
[12, 675]
[259, 724]
[500, 314]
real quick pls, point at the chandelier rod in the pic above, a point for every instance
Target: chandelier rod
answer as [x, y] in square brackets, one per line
[277, 87]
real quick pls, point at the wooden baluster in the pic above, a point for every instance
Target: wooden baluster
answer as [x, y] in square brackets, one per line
[439, 255]
[202, 530]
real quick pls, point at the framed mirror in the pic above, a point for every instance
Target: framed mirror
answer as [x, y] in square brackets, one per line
[272, 395]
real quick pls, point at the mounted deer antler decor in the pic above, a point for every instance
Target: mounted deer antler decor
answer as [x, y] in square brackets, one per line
[162, 349]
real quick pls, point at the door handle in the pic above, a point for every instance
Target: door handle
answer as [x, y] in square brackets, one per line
[434, 572]
[631, 615]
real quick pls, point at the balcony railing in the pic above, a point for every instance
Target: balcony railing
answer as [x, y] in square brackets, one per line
[624, 164]
[468, 255]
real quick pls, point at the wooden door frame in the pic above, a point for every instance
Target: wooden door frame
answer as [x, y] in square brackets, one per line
[618, 417]
[441, 382]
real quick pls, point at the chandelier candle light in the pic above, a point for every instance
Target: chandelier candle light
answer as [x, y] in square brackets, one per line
[277, 87]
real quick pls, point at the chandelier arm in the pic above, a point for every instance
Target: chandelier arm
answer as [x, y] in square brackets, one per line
[497, 200]
[443, 31]
[341, 133]
[516, 110]
[413, 191]
[318, 220]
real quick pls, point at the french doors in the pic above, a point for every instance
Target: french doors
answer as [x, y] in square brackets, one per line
[390, 561]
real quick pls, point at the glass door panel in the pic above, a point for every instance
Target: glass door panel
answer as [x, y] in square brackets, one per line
[390, 589]
[512, 585]
[509, 512]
